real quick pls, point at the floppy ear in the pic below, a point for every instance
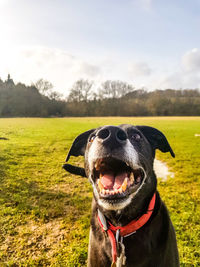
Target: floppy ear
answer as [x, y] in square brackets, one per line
[156, 139]
[74, 170]
[77, 149]
[79, 145]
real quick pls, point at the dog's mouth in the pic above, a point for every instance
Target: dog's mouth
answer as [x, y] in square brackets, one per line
[115, 179]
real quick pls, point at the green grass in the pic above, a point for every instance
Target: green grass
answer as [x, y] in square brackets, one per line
[45, 212]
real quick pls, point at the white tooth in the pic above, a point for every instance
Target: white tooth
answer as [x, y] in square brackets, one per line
[124, 185]
[100, 185]
[131, 178]
[116, 191]
[107, 191]
[104, 191]
[120, 190]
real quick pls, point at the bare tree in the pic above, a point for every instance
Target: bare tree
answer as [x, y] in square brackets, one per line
[44, 87]
[80, 91]
[114, 89]
[55, 96]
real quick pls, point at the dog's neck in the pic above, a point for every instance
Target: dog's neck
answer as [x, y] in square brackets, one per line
[125, 216]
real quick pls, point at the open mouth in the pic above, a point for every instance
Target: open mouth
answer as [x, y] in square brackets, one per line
[115, 179]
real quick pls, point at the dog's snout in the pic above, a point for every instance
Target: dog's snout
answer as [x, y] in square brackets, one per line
[112, 134]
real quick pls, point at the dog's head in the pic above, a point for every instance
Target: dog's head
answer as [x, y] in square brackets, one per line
[119, 162]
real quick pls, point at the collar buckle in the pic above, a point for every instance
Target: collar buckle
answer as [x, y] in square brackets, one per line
[121, 257]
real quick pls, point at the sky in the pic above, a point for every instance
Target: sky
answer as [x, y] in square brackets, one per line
[149, 43]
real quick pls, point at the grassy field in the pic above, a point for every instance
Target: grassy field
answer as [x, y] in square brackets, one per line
[45, 212]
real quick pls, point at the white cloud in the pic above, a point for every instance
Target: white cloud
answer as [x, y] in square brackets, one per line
[185, 75]
[182, 80]
[139, 69]
[89, 69]
[59, 67]
[191, 60]
[2, 2]
[166, 81]
[144, 4]
[62, 69]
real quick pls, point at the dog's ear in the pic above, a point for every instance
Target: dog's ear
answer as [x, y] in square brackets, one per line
[77, 149]
[156, 139]
[79, 145]
[74, 169]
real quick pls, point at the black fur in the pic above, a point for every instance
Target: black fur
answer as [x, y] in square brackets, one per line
[153, 245]
[74, 170]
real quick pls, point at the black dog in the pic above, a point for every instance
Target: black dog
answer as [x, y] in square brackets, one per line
[130, 225]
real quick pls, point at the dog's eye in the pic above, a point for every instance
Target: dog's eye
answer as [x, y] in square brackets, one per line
[92, 138]
[136, 137]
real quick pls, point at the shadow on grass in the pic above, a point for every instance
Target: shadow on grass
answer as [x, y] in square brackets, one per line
[20, 198]
[56, 211]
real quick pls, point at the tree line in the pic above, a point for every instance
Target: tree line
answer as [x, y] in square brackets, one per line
[85, 98]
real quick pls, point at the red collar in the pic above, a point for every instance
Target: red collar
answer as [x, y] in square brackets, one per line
[126, 230]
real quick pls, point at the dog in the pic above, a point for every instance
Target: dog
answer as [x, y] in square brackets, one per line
[130, 224]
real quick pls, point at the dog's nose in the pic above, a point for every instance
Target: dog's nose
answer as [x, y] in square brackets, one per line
[121, 135]
[112, 134]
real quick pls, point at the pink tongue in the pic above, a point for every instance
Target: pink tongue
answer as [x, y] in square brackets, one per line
[119, 179]
[109, 181]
